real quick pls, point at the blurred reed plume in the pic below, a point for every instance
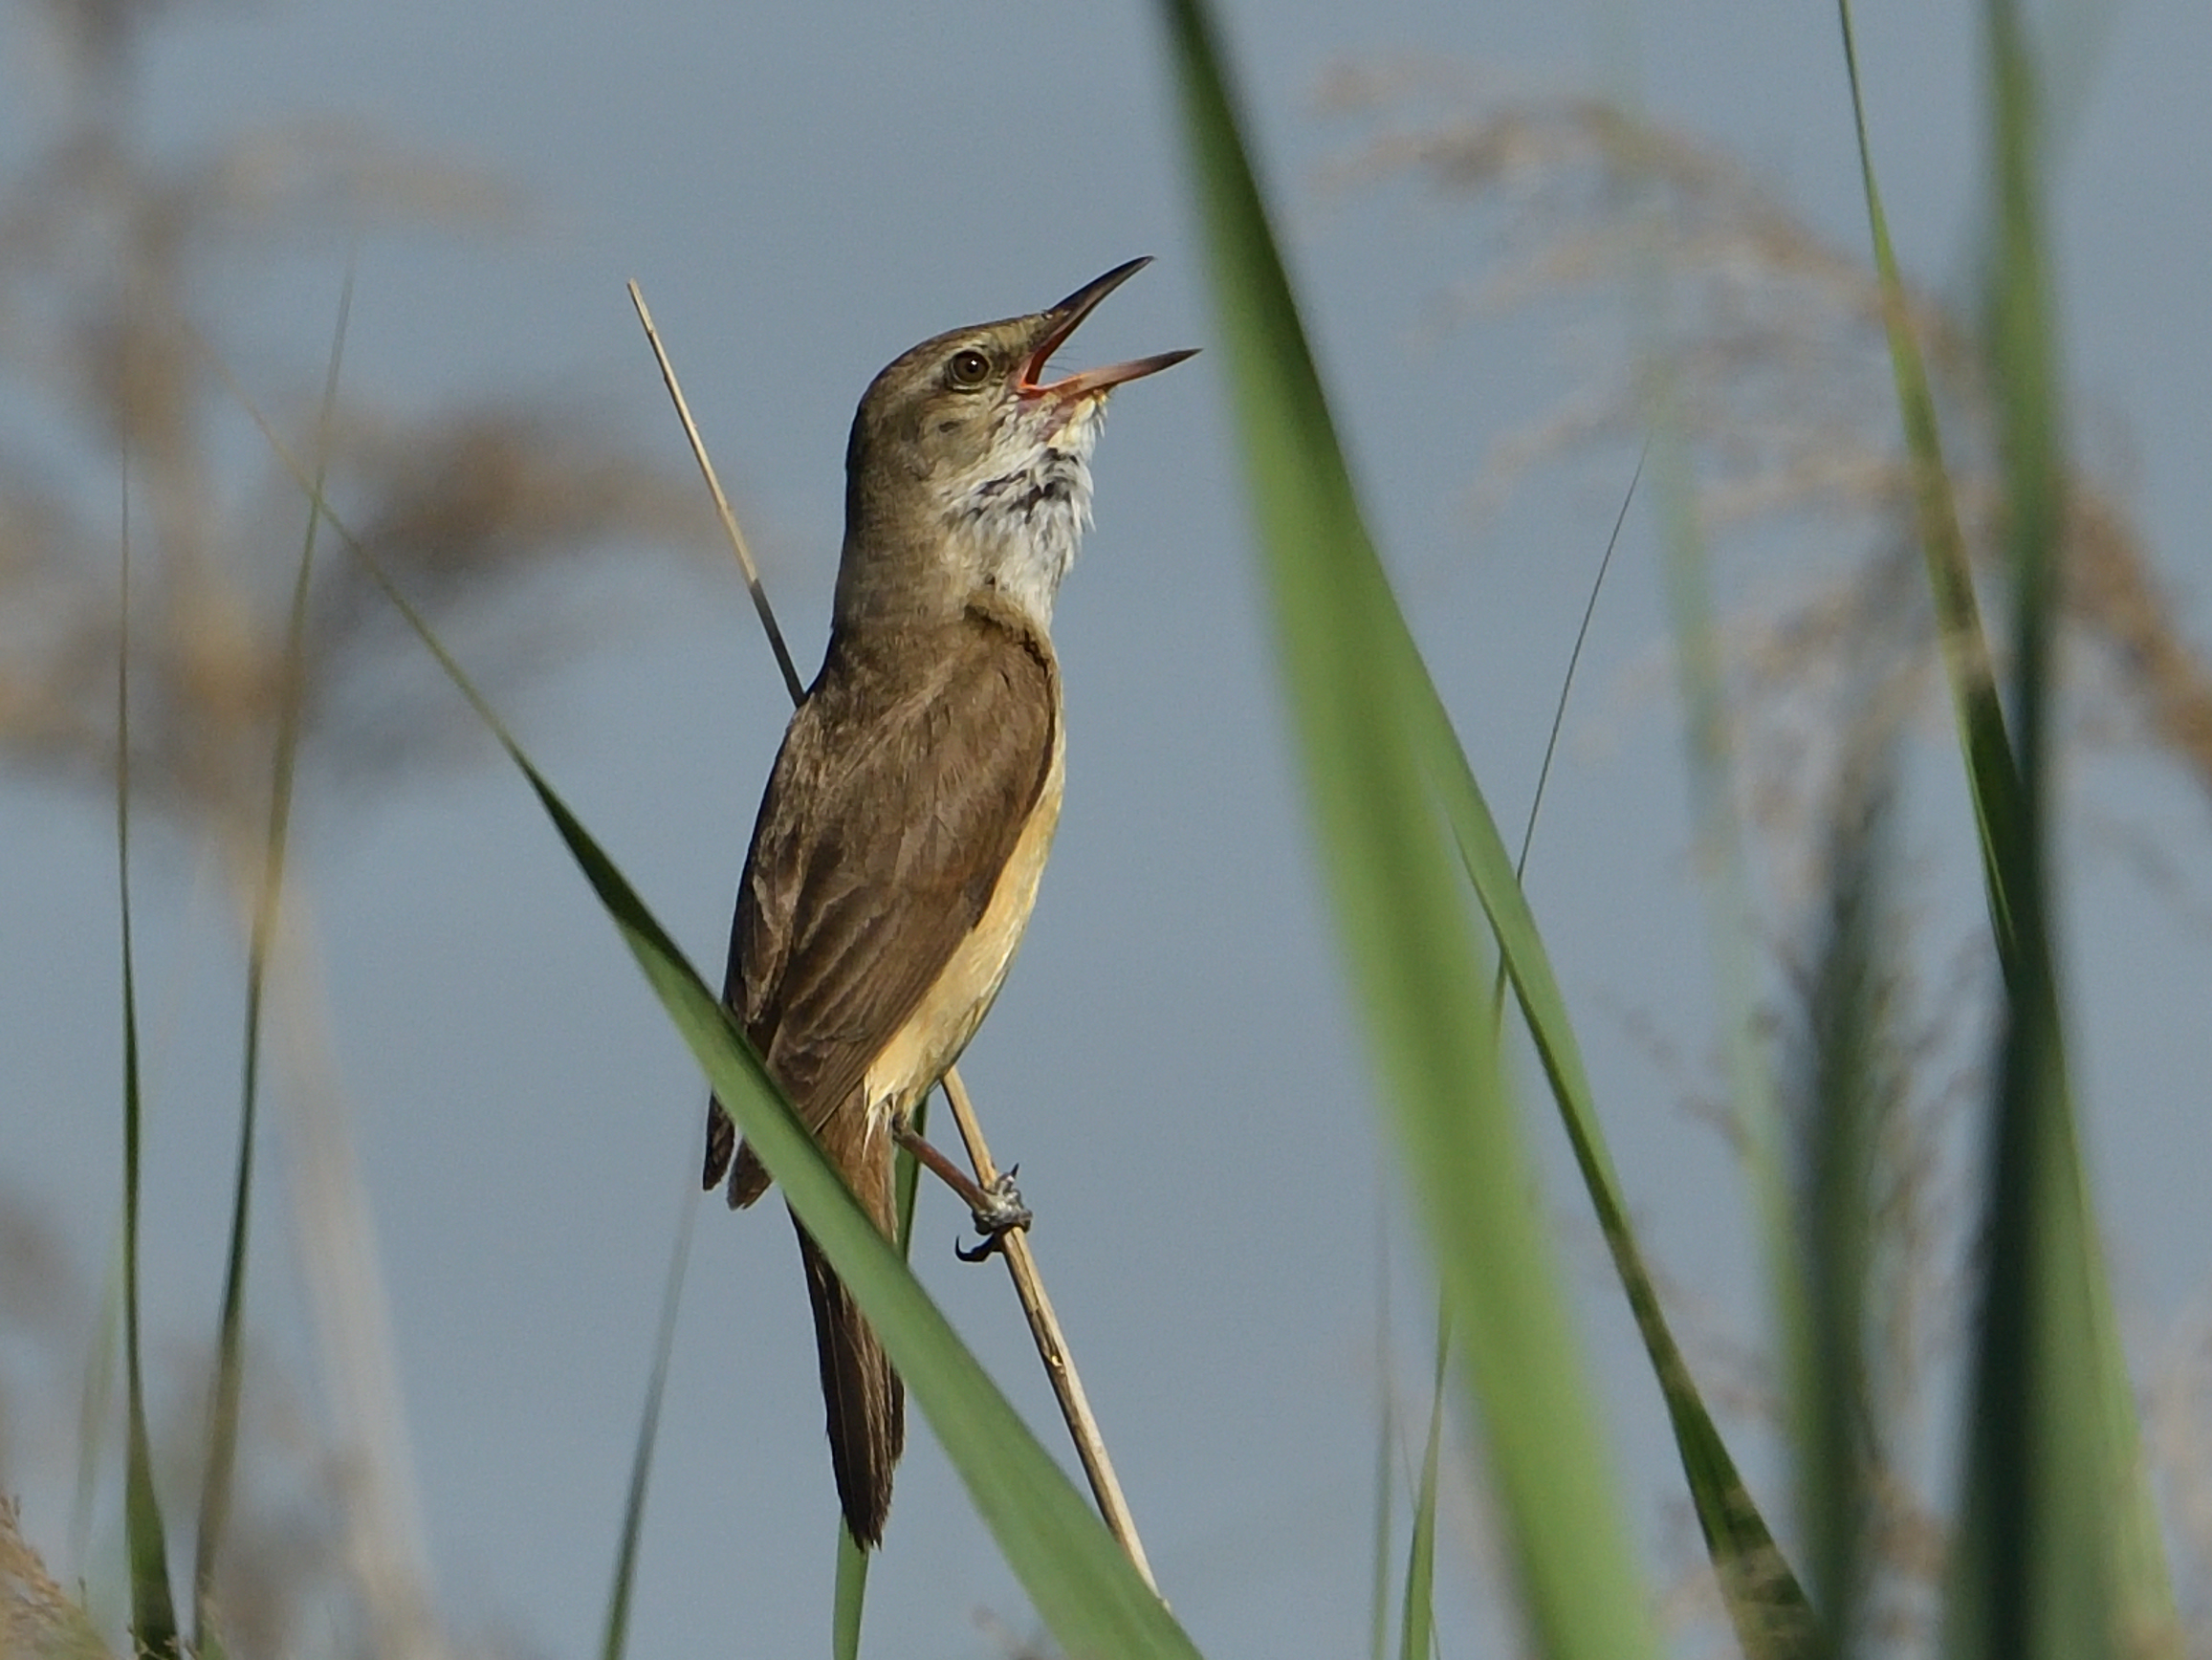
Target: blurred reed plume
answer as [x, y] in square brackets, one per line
[1783, 381]
[122, 318]
[1779, 372]
[133, 329]
[39, 1620]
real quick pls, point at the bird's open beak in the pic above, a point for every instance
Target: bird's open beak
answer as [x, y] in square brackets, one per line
[1065, 319]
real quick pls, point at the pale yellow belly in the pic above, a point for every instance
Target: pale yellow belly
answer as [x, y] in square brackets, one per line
[949, 1014]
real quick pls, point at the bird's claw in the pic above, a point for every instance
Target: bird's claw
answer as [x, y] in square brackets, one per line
[1002, 1214]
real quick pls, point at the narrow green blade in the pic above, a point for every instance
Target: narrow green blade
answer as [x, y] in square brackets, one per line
[849, 1600]
[153, 1607]
[230, 1326]
[1382, 1529]
[94, 1404]
[2058, 1553]
[614, 1638]
[1765, 1603]
[2054, 1412]
[1417, 1614]
[1979, 717]
[1354, 685]
[1083, 1588]
[1847, 1087]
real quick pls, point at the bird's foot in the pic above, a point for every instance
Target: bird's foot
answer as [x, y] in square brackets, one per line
[996, 1212]
[996, 1209]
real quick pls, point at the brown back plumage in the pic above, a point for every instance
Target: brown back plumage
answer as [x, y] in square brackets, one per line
[870, 864]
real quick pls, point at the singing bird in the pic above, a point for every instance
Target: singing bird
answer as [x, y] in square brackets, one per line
[896, 855]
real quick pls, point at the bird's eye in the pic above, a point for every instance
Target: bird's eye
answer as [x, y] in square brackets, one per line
[967, 370]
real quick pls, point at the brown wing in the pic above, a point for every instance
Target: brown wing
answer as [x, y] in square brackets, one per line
[903, 784]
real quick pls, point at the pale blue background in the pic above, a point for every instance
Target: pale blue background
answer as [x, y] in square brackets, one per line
[804, 191]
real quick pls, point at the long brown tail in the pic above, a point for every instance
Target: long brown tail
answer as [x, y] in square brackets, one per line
[865, 1399]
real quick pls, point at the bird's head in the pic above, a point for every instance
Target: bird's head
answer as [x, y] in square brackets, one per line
[969, 468]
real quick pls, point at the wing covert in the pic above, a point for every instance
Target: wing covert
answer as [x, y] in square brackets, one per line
[874, 858]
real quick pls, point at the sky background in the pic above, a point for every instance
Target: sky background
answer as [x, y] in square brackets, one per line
[804, 191]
